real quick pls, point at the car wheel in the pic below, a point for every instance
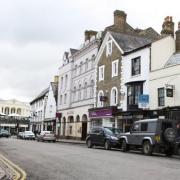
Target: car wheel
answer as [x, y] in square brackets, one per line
[89, 143]
[107, 145]
[124, 146]
[147, 148]
[169, 152]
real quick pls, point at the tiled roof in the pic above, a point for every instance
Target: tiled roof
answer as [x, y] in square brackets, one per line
[128, 42]
[173, 60]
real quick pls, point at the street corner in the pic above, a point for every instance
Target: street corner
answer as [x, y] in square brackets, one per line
[10, 171]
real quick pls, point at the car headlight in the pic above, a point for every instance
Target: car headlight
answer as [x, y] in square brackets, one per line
[114, 138]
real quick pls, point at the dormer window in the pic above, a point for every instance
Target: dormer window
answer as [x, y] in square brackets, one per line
[109, 48]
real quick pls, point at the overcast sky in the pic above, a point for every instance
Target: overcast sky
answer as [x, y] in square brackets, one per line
[35, 33]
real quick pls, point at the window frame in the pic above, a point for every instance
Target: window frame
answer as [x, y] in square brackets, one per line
[101, 72]
[109, 48]
[115, 68]
[161, 97]
[135, 72]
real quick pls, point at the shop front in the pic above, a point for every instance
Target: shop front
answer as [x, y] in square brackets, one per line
[103, 116]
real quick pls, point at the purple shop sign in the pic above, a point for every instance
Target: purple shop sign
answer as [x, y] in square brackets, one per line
[101, 113]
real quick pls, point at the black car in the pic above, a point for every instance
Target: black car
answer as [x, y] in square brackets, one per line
[4, 133]
[103, 136]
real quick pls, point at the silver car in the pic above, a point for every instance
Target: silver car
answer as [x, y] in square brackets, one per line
[46, 136]
[28, 135]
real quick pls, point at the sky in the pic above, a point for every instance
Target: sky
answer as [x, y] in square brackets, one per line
[35, 33]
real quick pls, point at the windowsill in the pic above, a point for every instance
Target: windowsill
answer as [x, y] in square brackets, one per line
[134, 76]
[114, 75]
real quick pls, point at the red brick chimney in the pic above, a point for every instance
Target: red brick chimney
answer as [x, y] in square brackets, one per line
[168, 27]
[120, 20]
[178, 38]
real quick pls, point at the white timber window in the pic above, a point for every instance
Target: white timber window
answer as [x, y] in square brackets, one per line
[114, 96]
[100, 102]
[115, 68]
[101, 73]
[109, 48]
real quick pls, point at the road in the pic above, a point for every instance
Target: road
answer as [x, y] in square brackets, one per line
[58, 161]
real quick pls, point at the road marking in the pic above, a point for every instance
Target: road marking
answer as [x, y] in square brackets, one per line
[19, 173]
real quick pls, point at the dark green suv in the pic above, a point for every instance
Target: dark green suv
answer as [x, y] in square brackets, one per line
[150, 135]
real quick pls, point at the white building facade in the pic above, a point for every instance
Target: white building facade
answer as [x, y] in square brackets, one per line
[76, 93]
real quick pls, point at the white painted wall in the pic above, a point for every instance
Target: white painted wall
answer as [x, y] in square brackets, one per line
[161, 51]
[158, 79]
[126, 73]
[50, 109]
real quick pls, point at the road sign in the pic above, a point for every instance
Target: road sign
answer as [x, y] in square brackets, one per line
[143, 101]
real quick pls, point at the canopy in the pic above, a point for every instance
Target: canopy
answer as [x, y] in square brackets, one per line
[2, 114]
[13, 115]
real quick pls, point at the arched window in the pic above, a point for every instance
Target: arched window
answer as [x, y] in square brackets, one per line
[19, 111]
[75, 70]
[86, 65]
[6, 111]
[85, 90]
[80, 67]
[66, 80]
[74, 97]
[79, 94]
[92, 89]
[114, 96]
[13, 110]
[92, 60]
[100, 102]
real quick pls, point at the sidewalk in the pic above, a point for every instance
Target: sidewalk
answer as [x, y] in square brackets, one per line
[71, 141]
[10, 171]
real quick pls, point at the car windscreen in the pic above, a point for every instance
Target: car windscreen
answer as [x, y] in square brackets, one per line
[114, 130]
[108, 131]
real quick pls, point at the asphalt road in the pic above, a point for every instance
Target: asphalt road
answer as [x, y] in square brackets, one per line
[58, 161]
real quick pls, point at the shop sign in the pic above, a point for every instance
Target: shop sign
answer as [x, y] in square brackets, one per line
[101, 113]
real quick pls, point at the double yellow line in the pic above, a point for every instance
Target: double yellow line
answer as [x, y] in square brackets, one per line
[19, 174]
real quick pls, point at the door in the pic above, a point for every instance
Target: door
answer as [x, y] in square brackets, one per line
[84, 130]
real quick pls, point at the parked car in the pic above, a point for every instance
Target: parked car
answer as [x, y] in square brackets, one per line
[20, 135]
[28, 135]
[46, 136]
[150, 135]
[102, 136]
[4, 133]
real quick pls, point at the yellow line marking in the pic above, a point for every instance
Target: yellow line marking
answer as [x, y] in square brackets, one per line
[18, 171]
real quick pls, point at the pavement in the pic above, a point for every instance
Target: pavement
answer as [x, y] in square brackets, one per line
[70, 141]
[10, 171]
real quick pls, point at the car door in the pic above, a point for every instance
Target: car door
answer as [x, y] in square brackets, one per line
[133, 136]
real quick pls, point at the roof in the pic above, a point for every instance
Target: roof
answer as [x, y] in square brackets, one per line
[41, 95]
[129, 42]
[173, 60]
[54, 86]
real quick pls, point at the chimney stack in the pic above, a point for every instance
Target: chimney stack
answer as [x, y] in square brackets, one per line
[89, 34]
[168, 27]
[56, 79]
[178, 39]
[120, 20]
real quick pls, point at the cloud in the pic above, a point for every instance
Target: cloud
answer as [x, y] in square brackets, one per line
[35, 33]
